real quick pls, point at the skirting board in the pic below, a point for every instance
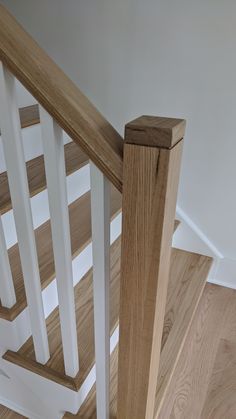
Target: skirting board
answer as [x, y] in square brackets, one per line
[212, 249]
[226, 274]
[191, 238]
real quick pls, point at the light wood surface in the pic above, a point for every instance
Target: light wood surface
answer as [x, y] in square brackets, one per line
[6, 413]
[80, 230]
[29, 115]
[61, 98]
[88, 409]
[150, 183]
[187, 270]
[75, 159]
[201, 374]
[220, 401]
[155, 131]
[54, 369]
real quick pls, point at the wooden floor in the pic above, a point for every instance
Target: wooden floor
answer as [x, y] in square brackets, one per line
[204, 385]
[204, 382]
[6, 413]
[187, 279]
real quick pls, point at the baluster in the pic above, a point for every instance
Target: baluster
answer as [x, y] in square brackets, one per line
[7, 291]
[100, 213]
[18, 183]
[53, 146]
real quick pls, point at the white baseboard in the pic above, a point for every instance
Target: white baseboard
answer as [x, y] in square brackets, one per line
[191, 238]
[222, 283]
[199, 233]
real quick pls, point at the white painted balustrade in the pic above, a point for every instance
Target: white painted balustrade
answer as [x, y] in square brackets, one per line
[100, 212]
[17, 177]
[54, 159]
[7, 291]
[52, 136]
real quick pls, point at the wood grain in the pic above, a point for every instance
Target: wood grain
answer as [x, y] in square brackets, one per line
[80, 229]
[155, 131]
[54, 369]
[29, 115]
[6, 413]
[88, 409]
[150, 184]
[189, 384]
[61, 98]
[220, 401]
[182, 303]
[75, 159]
[187, 269]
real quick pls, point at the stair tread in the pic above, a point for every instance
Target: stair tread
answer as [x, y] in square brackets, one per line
[54, 369]
[187, 269]
[80, 227]
[75, 159]
[187, 280]
[6, 413]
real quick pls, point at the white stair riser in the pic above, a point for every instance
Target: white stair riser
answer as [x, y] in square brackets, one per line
[78, 183]
[32, 144]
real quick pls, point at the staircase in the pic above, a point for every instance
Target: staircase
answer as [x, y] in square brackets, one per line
[93, 321]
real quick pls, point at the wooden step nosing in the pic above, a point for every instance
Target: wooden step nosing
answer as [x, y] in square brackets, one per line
[170, 345]
[39, 369]
[49, 373]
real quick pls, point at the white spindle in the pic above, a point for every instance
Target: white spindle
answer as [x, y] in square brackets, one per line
[7, 291]
[53, 146]
[100, 212]
[17, 177]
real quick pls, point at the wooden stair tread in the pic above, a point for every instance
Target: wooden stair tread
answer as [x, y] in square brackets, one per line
[6, 413]
[187, 279]
[80, 226]
[54, 369]
[75, 159]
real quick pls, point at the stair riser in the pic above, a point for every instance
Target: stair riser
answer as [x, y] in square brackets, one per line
[78, 183]
[32, 144]
[14, 334]
[62, 398]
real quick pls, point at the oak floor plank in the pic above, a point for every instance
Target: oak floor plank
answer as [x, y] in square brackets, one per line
[6, 413]
[220, 401]
[182, 277]
[186, 395]
[80, 228]
[204, 382]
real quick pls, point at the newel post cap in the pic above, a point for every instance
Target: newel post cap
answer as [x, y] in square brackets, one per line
[155, 131]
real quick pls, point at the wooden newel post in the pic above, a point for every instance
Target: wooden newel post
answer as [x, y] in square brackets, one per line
[152, 156]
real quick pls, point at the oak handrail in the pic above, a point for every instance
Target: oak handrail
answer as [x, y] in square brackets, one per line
[61, 98]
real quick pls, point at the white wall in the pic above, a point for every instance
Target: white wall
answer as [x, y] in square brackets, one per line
[158, 57]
